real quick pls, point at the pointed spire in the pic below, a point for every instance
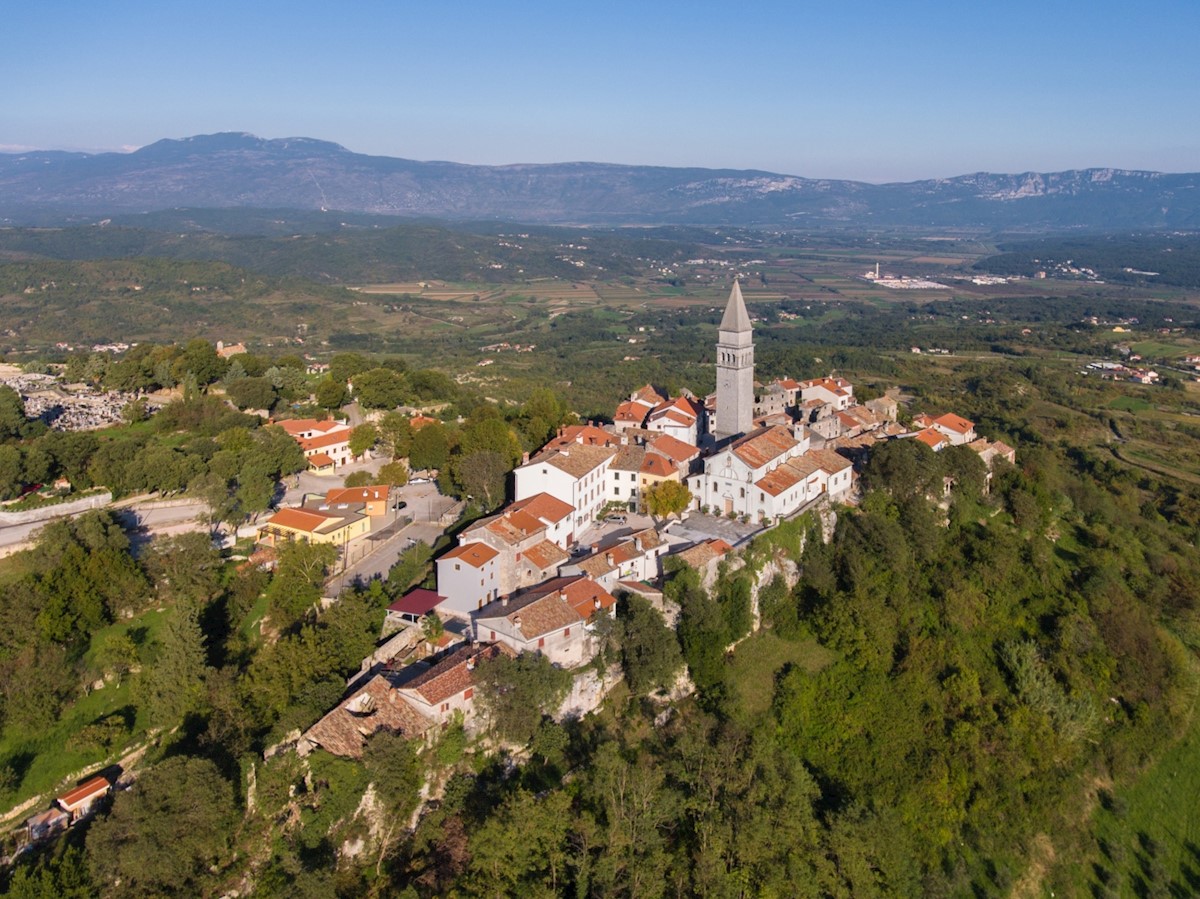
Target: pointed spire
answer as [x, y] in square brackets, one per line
[735, 318]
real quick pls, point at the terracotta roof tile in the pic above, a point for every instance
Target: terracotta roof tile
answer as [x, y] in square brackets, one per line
[357, 494]
[545, 555]
[453, 674]
[931, 438]
[89, 789]
[474, 554]
[544, 507]
[576, 460]
[954, 422]
[760, 447]
[377, 706]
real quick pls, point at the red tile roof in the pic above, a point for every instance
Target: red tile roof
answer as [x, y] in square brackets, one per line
[301, 519]
[321, 441]
[453, 674]
[86, 791]
[777, 481]
[544, 507]
[378, 705]
[760, 447]
[474, 554]
[955, 423]
[417, 601]
[931, 438]
[673, 448]
[357, 494]
[545, 555]
[658, 466]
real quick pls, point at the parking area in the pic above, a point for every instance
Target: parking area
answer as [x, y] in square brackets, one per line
[697, 528]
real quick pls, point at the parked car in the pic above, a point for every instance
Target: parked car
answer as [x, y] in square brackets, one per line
[616, 519]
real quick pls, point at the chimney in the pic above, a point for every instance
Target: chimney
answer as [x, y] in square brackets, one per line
[594, 548]
[596, 603]
[471, 664]
[524, 458]
[504, 602]
[608, 558]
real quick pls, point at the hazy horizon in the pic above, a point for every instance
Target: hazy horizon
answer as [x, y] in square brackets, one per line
[875, 93]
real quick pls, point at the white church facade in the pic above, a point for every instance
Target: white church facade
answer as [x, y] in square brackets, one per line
[769, 472]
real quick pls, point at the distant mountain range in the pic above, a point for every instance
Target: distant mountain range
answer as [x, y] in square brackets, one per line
[233, 170]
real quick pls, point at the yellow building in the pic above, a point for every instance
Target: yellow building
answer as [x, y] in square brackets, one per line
[316, 527]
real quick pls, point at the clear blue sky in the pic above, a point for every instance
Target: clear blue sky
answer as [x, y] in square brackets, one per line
[840, 89]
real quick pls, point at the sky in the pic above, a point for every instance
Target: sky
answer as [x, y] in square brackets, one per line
[841, 89]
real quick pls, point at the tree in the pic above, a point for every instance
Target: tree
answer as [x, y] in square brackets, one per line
[649, 650]
[174, 683]
[199, 359]
[358, 479]
[380, 388]
[344, 366]
[163, 835]
[185, 567]
[666, 498]
[483, 475]
[363, 439]
[410, 568]
[430, 448]
[394, 473]
[396, 434]
[518, 692]
[299, 579]
[331, 394]
[252, 393]
[903, 468]
[432, 628]
[396, 773]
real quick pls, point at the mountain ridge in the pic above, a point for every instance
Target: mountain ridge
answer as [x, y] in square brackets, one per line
[238, 169]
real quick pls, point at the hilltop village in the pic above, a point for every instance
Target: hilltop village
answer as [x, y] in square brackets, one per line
[595, 514]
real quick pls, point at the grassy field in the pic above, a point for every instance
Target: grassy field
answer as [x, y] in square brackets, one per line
[1144, 837]
[756, 663]
[44, 762]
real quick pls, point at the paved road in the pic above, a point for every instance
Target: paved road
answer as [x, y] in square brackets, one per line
[173, 519]
[372, 558]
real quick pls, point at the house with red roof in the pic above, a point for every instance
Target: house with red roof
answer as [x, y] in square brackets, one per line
[326, 444]
[836, 391]
[377, 705]
[80, 802]
[956, 429]
[526, 555]
[553, 619]
[681, 418]
[447, 687]
[631, 558]
[577, 474]
[316, 525]
[469, 577]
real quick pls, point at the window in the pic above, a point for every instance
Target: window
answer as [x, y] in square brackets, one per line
[632, 476]
[493, 635]
[445, 706]
[468, 693]
[457, 567]
[567, 632]
[541, 642]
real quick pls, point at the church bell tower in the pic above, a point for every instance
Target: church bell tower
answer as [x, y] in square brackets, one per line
[735, 369]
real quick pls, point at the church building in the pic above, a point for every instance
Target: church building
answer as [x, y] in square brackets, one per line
[765, 473]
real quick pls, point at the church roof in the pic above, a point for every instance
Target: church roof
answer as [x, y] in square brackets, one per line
[735, 317]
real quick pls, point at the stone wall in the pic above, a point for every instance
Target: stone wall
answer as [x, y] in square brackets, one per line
[58, 510]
